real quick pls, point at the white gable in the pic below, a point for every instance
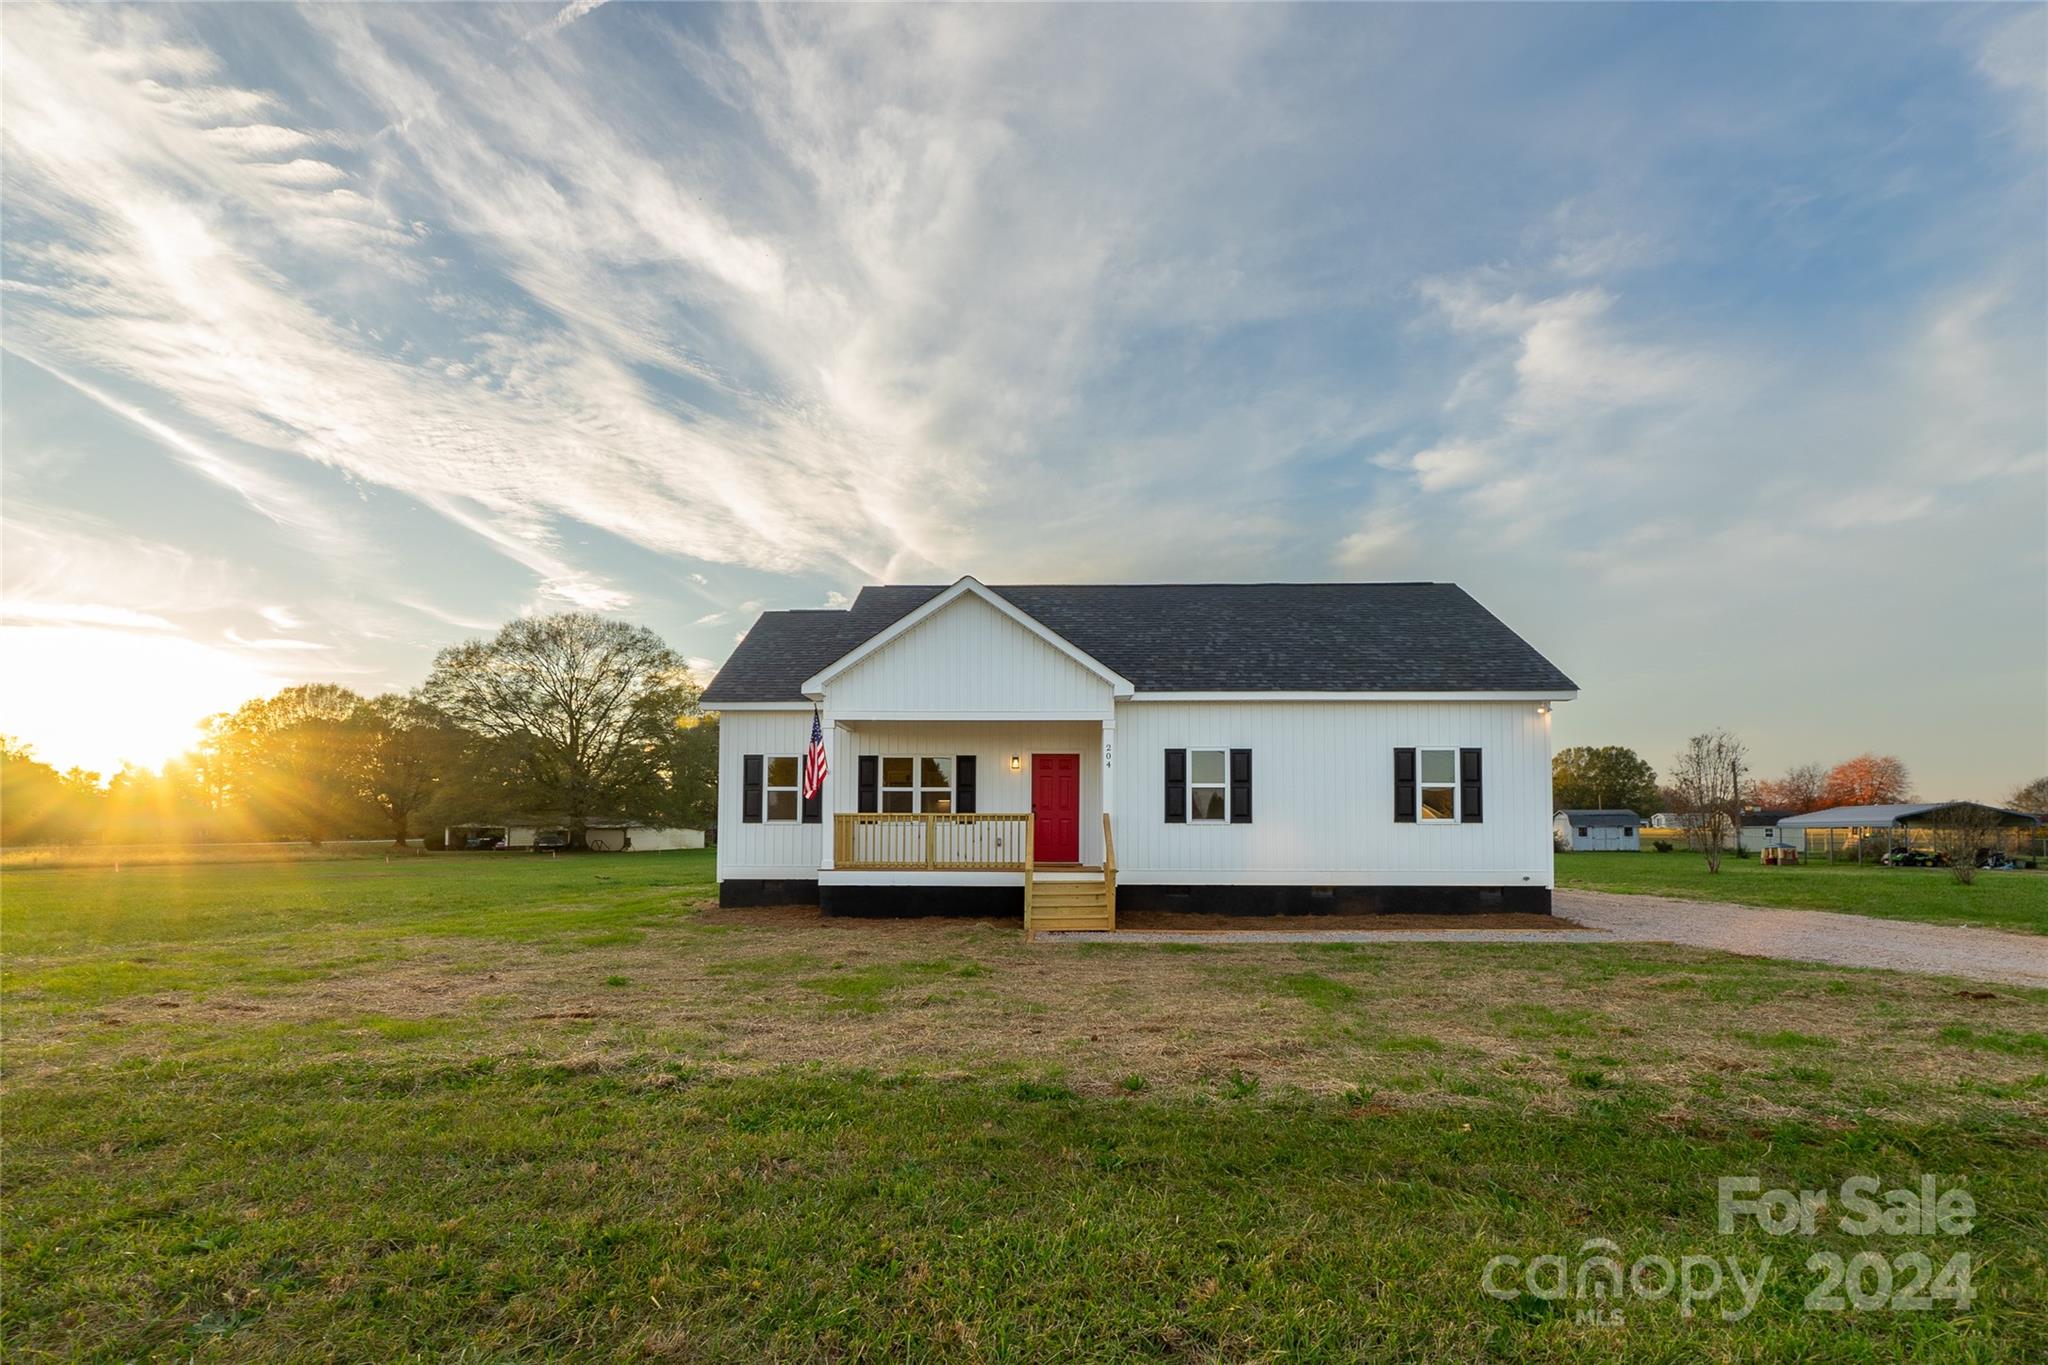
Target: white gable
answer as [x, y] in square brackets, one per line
[968, 659]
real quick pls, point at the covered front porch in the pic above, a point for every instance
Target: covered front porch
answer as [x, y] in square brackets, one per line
[1060, 771]
[994, 810]
[972, 758]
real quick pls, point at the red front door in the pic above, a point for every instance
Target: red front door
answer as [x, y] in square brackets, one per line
[1056, 801]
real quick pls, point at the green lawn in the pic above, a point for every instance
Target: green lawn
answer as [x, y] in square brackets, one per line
[2004, 900]
[502, 1106]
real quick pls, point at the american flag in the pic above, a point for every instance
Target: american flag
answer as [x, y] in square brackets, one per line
[814, 758]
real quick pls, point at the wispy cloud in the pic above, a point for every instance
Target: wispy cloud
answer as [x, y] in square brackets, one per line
[81, 614]
[60, 566]
[567, 15]
[671, 310]
[274, 644]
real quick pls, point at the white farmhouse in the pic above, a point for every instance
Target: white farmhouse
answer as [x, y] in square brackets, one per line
[1258, 747]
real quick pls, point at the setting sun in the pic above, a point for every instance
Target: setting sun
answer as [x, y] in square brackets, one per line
[99, 698]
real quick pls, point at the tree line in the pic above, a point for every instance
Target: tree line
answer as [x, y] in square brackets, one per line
[568, 718]
[1708, 787]
[1611, 777]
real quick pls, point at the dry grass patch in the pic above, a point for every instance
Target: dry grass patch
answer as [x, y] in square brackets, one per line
[750, 991]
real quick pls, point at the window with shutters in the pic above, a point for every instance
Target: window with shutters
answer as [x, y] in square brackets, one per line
[782, 804]
[917, 784]
[1436, 786]
[1209, 785]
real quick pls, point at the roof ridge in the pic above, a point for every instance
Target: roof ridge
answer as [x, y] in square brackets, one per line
[1207, 583]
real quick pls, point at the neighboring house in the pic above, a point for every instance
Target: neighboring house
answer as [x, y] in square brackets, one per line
[1758, 831]
[602, 836]
[1597, 831]
[1068, 750]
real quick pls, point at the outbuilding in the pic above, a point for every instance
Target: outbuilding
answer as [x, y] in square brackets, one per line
[1867, 833]
[1598, 831]
[1757, 831]
[602, 835]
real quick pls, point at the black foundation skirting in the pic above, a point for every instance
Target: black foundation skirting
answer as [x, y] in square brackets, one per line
[1337, 900]
[910, 902]
[735, 894]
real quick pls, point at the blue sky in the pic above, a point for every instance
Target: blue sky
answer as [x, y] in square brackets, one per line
[1703, 344]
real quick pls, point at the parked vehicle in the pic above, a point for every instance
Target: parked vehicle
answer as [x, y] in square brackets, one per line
[1914, 857]
[550, 840]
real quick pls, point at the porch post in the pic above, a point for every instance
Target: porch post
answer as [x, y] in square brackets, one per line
[1108, 770]
[830, 825]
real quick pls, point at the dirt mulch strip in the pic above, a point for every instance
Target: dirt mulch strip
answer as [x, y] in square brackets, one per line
[809, 917]
[1338, 923]
[795, 916]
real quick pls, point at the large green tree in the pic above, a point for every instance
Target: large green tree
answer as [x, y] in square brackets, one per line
[407, 753]
[576, 712]
[292, 765]
[690, 771]
[38, 804]
[1608, 777]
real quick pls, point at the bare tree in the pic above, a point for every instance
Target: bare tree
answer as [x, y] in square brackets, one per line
[1960, 831]
[1801, 789]
[1706, 787]
[2031, 797]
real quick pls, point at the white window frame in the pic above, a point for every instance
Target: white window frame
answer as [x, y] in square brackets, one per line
[917, 787]
[796, 789]
[1223, 786]
[1422, 817]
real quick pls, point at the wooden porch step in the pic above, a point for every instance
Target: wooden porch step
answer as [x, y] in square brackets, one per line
[1070, 905]
[1068, 891]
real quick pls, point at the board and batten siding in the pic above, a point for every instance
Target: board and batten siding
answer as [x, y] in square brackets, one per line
[1323, 805]
[968, 659]
[765, 852]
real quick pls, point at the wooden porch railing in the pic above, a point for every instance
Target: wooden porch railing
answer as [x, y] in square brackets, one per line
[1030, 865]
[1109, 866]
[890, 841]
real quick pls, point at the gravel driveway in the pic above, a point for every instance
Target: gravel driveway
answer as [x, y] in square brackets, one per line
[1799, 935]
[1816, 936]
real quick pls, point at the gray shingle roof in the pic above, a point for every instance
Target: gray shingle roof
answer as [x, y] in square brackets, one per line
[1196, 637]
[1846, 816]
[1605, 819]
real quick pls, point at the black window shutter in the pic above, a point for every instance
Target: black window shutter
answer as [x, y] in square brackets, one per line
[1404, 786]
[750, 789]
[1176, 786]
[870, 783]
[814, 806]
[963, 784]
[1240, 786]
[1470, 802]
